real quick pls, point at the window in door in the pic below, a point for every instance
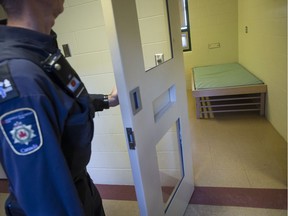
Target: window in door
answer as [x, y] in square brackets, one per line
[170, 162]
[185, 28]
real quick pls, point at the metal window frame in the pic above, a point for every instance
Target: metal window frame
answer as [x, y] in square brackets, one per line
[185, 30]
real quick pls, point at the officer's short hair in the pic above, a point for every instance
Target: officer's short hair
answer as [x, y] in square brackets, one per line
[11, 5]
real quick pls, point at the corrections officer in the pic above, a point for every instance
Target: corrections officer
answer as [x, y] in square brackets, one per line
[46, 117]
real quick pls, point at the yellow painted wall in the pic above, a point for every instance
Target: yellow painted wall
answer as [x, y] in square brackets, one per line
[212, 21]
[263, 50]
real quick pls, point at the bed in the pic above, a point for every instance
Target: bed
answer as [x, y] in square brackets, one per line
[226, 88]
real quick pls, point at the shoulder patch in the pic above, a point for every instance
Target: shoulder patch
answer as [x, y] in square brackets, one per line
[22, 131]
[8, 89]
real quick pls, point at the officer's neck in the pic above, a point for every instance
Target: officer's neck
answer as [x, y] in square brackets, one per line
[42, 24]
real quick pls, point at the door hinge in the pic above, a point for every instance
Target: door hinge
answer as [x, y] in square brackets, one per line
[131, 139]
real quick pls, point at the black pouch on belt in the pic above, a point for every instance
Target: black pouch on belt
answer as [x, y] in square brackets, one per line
[12, 207]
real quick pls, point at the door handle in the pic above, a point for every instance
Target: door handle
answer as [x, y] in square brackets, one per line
[135, 99]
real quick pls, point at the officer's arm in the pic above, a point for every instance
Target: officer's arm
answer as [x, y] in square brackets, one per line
[37, 171]
[31, 151]
[101, 101]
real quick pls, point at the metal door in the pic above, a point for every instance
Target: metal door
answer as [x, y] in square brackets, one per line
[153, 104]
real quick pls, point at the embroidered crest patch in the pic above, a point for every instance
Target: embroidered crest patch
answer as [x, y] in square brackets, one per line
[22, 131]
[7, 87]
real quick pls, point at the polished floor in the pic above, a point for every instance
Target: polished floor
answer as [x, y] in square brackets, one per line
[237, 151]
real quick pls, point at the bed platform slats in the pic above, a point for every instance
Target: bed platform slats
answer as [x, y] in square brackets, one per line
[229, 99]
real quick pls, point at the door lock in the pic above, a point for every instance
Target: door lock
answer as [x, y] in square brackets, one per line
[131, 139]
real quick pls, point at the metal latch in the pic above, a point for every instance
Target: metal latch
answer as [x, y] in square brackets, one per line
[131, 139]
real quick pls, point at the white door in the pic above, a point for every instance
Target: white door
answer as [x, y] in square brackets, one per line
[154, 108]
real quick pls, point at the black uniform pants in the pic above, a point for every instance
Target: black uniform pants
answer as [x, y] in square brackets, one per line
[89, 195]
[12, 208]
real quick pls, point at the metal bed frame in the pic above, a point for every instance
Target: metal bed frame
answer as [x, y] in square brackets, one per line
[229, 99]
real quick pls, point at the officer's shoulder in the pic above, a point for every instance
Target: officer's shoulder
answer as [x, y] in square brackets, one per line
[22, 65]
[8, 89]
[26, 71]
[17, 74]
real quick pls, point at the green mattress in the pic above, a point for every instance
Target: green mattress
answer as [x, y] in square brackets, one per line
[223, 75]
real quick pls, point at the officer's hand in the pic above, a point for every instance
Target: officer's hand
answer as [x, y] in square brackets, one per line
[113, 97]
